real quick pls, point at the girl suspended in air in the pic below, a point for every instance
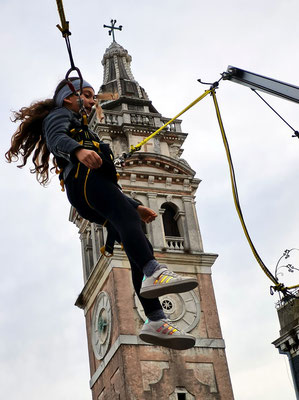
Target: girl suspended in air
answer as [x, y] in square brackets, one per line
[86, 163]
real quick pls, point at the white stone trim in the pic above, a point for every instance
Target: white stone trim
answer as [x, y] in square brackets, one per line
[134, 340]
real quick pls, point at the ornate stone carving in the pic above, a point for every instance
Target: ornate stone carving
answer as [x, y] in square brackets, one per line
[174, 150]
[204, 373]
[152, 372]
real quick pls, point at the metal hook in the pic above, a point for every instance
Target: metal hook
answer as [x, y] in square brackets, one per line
[213, 85]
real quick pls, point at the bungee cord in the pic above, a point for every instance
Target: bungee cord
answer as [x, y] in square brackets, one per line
[139, 145]
[277, 285]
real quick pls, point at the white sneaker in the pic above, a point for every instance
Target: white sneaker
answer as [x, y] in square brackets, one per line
[163, 333]
[164, 281]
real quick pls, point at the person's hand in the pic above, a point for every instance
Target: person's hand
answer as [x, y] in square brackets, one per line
[89, 158]
[146, 214]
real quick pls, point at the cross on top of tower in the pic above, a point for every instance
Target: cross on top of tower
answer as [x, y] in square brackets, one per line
[112, 28]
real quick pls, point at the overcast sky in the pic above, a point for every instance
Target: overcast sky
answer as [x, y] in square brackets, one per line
[43, 351]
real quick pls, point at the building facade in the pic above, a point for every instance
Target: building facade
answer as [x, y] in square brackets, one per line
[288, 341]
[121, 365]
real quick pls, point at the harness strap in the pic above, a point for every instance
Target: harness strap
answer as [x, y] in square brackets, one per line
[85, 184]
[83, 137]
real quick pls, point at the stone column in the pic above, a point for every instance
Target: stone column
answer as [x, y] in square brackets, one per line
[193, 232]
[95, 243]
[180, 218]
[156, 230]
[87, 257]
[125, 115]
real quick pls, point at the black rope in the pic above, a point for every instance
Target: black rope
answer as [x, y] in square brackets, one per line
[296, 133]
[68, 46]
[73, 67]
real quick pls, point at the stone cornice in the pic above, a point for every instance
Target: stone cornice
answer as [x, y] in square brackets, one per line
[198, 263]
[109, 105]
[99, 273]
[159, 161]
[158, 191]
[165, 135]
[188, 262]
[141, 130]
[288, 343]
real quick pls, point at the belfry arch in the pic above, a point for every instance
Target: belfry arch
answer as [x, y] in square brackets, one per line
[169, 217]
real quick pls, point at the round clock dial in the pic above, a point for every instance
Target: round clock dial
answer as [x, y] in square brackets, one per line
[101, 325]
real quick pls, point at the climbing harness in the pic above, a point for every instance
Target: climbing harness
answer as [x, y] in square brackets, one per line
[84, 138]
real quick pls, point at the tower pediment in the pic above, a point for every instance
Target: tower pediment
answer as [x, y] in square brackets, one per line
[160, 164]
[150, 171]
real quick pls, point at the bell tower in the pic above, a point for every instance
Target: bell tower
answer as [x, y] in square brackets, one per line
[121, 365]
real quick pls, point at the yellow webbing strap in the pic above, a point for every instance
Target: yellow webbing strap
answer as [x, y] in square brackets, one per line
[138, 146]
[85, 192]
[278, 286]
[103, 248]
[62, 185]
[58, 172]
[85, 119]
[105, 253]
[77, 171]
[293, 287]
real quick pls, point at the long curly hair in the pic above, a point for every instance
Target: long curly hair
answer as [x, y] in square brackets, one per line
[29, 139]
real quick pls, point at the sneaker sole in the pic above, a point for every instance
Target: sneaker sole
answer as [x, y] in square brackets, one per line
[172, 342]
[154, 291]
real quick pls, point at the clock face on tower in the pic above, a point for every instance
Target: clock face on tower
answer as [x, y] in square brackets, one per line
[101, 325]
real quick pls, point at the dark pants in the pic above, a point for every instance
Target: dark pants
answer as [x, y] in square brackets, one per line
[97, 198]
